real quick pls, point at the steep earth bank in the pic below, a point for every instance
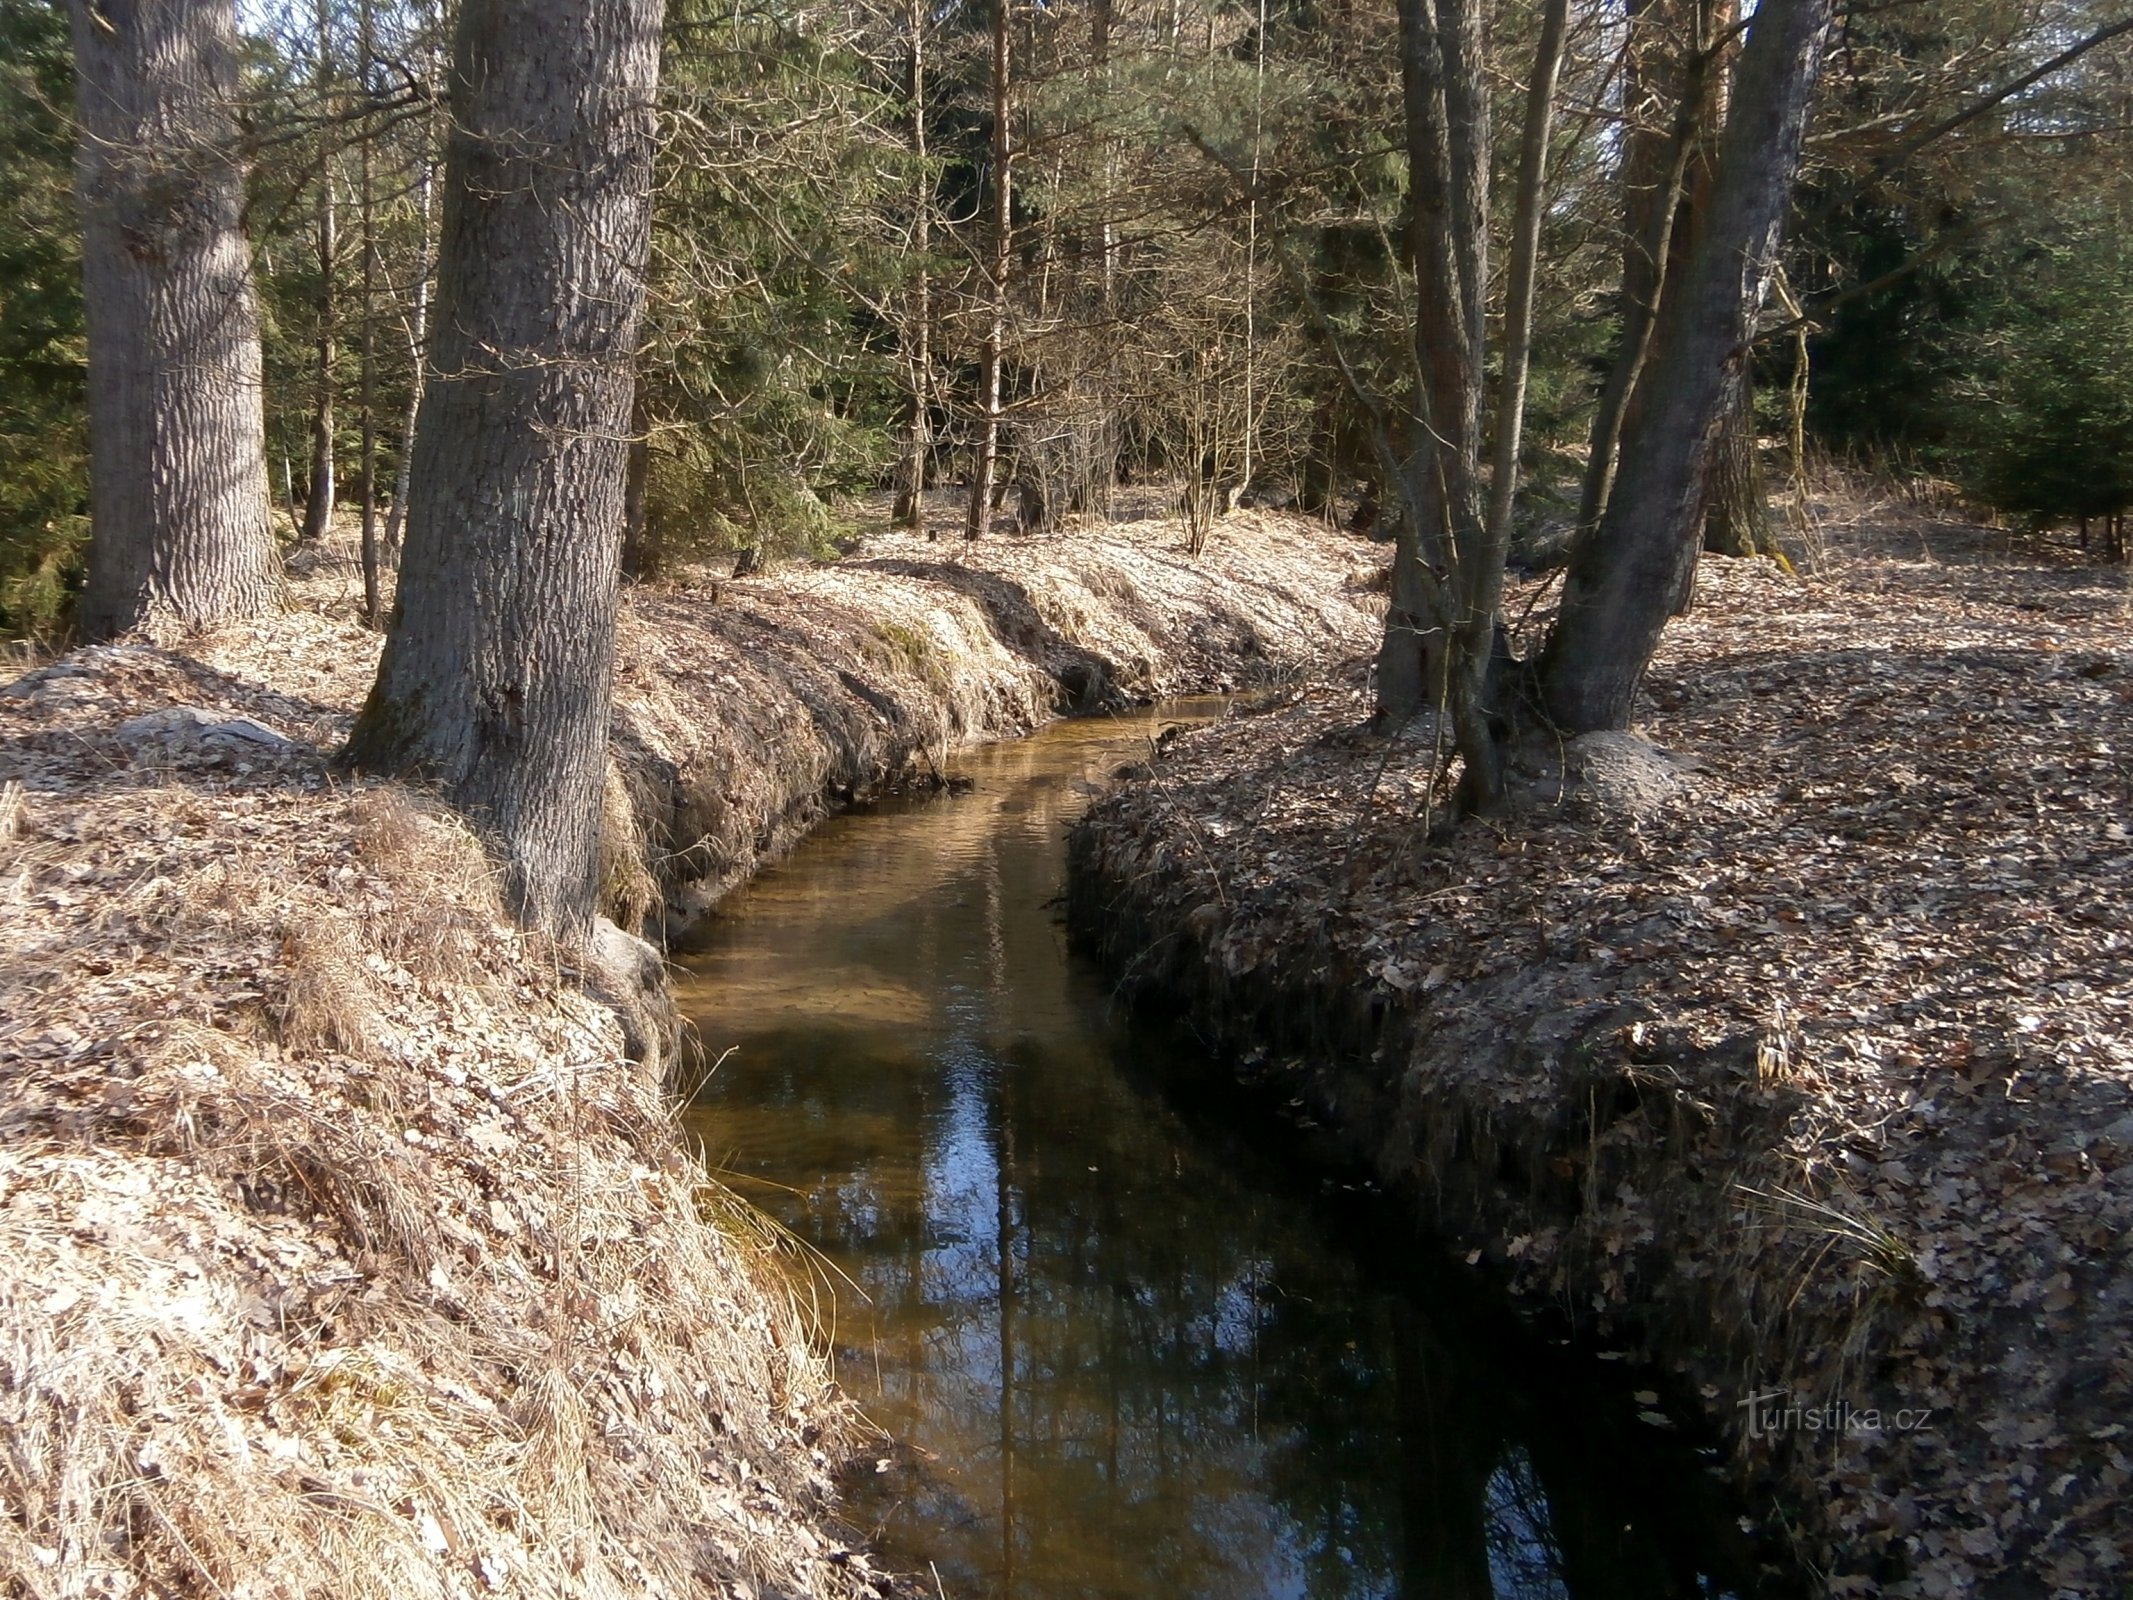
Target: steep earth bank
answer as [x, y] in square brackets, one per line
[1801, 1061]
[343, 1242]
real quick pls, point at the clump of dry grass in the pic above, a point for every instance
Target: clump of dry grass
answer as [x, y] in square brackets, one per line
[327, 1004]
[345, 1254]
[753, 709]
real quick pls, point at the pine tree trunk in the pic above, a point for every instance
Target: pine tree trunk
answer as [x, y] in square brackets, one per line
[979, 517]
[1628, 574]
[178, 472]
[318, 503]
[1737, 520]
[909, 510]
[496, 678]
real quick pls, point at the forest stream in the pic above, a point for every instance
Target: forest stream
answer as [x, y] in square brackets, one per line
[1126, 1344]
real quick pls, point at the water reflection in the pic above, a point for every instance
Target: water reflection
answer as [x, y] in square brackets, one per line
[1132, 1358]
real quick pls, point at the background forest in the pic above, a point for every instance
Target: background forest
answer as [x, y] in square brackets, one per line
[1060, 247]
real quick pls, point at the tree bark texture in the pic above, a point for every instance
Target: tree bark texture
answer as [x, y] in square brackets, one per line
[1628, 573]
[1440, 624]
[497, 671]
[1736, 518]
[178, 472]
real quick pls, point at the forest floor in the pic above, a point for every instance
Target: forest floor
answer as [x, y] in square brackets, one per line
[1809, 1075]
[343, 1242]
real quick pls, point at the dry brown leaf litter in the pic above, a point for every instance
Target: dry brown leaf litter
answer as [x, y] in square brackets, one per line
[345, 1255]
[1821, 1076]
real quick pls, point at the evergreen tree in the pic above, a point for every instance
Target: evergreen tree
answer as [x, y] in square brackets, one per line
[44, 443]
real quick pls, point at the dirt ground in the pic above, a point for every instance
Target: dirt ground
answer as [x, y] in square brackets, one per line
[343, 1243]
[1809, 1073]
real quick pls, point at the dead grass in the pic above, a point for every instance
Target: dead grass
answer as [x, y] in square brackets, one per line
[345, 1255]
[748, 709]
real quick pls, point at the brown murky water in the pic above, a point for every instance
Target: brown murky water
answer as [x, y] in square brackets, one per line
[1130, 1352]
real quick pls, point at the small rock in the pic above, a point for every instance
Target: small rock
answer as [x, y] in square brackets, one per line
[178, 723]
[248, 731]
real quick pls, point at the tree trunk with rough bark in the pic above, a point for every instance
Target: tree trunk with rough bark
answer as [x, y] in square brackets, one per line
[1737, 520]
[496, 678]
[178, 475]
[1432, 621]
[1628, 573]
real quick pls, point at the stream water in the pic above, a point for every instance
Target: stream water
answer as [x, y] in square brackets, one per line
[1127, 1347]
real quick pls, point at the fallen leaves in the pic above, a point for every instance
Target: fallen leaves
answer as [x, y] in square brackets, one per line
[1876, 956]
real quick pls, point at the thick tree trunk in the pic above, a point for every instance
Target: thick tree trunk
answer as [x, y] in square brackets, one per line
[178, 472]
[1628, 573]
[979, 517]
[497, 671]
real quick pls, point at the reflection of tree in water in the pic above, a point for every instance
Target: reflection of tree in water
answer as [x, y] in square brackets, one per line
[1523, 1556]
[1142, 1372]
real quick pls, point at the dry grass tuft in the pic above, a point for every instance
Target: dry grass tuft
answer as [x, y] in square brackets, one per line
[442, 901]
[328, 1004]
[344, 1253]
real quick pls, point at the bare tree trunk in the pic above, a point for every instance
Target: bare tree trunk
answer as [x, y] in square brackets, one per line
[318, 504]
[1737, 520]
[1441, 525]
[373, 603]
[989, 396]
[418, 352]
[1527, 215]
[909, 511]
[1627, 574]
[496, 679]
[643, 548]
[178, 473]
[1661, 65]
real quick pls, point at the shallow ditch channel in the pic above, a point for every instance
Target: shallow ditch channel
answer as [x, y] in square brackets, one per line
[1128, 1342]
